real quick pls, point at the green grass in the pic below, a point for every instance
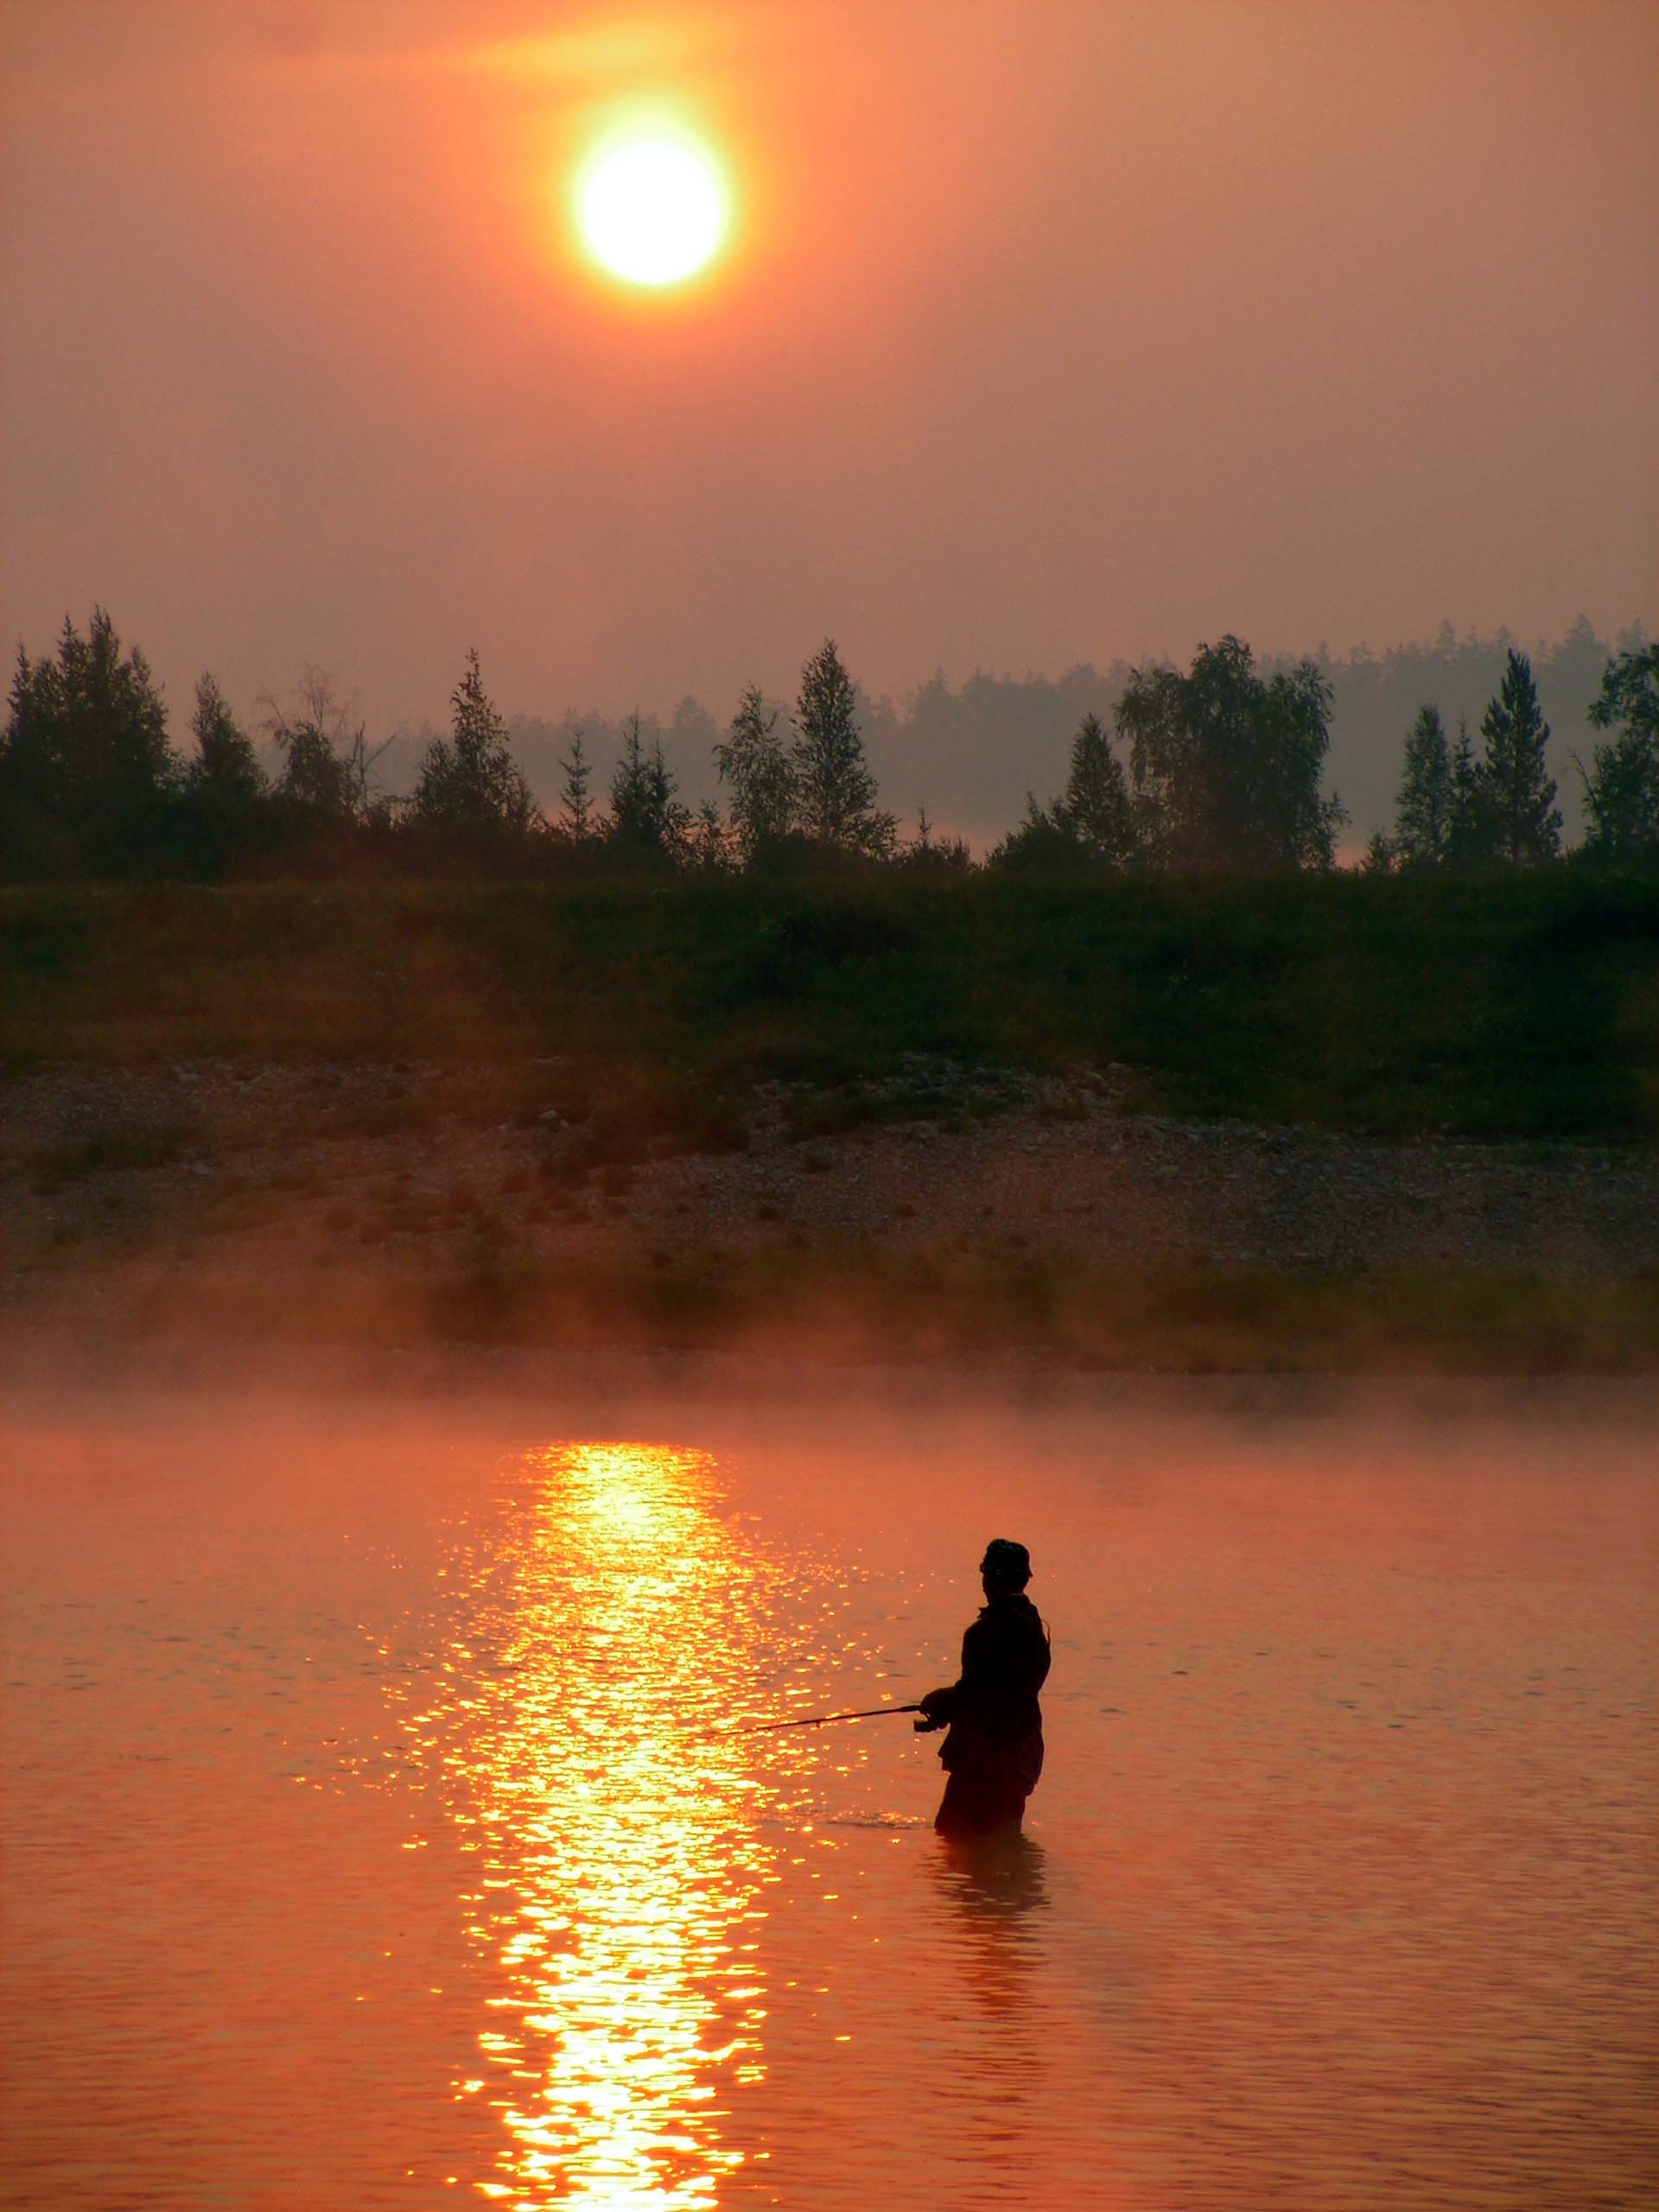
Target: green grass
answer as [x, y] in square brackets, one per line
[1521, 1006]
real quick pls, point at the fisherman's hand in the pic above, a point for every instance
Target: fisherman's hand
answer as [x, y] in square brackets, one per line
[936, 1711]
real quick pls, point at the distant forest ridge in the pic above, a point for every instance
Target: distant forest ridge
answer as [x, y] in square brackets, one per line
[970, 753]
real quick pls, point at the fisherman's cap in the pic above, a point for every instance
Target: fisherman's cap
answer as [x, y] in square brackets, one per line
[1005, 1561]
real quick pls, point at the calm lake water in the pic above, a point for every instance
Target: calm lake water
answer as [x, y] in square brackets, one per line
[374, 1834]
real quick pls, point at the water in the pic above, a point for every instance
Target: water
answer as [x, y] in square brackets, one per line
[374, 1834]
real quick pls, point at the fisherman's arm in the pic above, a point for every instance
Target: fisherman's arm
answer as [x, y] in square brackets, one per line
[941, 1706]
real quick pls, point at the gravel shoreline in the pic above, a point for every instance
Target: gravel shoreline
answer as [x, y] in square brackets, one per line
[269, 1168]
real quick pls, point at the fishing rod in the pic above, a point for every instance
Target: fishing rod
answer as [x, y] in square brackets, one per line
[822, 1720]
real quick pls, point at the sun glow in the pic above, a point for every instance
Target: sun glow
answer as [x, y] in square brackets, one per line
[652, 209]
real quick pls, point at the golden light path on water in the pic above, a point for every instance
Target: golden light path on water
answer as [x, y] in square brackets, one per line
[608, 1631]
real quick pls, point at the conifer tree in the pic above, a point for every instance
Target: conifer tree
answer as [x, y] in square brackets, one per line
[673, 817]
[754, 759]
[577, 820]
[631, 810]
[648, 823]
[225, 814]
[226, 764]
[1095, 807]
[470, 781]
[36, 830]
[836, 793]
[86, 772]
[1425, 811]
[1517, 788]
[1469, 842]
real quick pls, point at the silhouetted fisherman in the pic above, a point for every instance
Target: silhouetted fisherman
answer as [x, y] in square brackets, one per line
[994, 1752]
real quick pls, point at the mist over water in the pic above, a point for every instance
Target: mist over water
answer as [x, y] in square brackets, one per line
[376, 1834]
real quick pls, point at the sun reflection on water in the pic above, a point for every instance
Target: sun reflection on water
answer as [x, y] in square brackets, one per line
[619, 1867]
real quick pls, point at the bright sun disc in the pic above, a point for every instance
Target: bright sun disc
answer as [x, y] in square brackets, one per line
[651, 210]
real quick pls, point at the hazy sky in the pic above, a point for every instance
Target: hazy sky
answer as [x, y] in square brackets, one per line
[1048, 331]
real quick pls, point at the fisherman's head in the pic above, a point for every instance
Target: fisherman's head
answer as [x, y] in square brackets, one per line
[1006, 1567]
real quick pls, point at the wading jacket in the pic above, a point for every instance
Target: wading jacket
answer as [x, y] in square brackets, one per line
[996, 1724]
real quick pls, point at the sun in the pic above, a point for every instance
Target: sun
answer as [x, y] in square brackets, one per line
[651, 210]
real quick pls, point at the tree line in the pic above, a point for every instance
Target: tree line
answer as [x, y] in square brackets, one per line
[1461, 808]
[1216, 769]
[982, 740]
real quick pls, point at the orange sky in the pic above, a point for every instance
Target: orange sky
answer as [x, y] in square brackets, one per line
[1049, 331]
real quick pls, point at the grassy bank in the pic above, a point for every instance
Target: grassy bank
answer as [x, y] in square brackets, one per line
[1523, 1005]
